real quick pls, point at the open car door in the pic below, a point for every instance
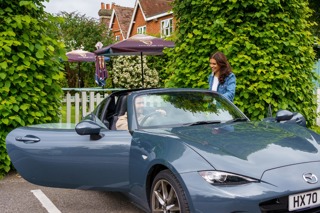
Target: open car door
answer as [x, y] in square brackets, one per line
[56, 156]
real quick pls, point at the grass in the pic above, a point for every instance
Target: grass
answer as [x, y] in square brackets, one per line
[64, 114]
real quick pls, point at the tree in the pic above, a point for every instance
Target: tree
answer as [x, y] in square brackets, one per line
[126, 73]
[78, 31]
[269, 46]
[30, 70]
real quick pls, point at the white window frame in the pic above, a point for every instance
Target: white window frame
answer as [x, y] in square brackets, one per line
[117, 38]
[142, 29]
[166, 27]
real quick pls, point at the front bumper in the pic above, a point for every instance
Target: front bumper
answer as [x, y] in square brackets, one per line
[268, 196]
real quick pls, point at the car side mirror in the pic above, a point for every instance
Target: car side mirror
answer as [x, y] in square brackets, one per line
[89, 127]
[285, 116]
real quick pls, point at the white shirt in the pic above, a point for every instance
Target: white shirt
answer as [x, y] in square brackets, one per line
[215, 83]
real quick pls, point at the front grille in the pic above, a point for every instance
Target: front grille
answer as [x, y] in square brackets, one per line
[280, 205]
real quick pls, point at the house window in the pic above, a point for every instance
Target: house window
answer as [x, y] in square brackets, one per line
[142, 30]
[117, 38]
[166, 27]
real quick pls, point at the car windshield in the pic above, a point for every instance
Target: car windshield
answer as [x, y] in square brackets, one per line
[184, 108]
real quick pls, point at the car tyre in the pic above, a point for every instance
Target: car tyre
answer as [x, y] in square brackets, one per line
[167, 195]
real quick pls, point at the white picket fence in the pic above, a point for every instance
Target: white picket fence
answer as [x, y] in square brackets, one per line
[79, 102]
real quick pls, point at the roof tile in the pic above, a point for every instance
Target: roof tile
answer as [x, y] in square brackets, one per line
[124, 15]
[155, 7]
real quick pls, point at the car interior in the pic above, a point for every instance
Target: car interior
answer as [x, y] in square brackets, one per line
[116, 106]
[120, 109]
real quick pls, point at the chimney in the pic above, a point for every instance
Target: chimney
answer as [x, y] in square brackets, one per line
[113, 4]
[102, 6]
[105, 13]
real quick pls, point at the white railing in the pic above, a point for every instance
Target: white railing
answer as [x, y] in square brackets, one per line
[79, 102]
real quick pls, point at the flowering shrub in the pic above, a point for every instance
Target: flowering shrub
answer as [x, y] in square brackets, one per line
[126, 73]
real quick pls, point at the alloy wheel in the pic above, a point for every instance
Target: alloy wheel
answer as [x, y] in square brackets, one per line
[164, 198]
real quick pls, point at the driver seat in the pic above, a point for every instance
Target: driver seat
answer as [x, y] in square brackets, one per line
[121, 109]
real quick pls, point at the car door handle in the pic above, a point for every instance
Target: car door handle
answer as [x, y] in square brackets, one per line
[28, 139]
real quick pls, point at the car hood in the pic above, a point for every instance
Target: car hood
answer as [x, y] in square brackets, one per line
[250, 148]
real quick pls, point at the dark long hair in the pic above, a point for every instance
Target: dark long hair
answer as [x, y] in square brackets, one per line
[225, 68]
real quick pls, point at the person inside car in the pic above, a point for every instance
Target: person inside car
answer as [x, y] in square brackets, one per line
[122, 122]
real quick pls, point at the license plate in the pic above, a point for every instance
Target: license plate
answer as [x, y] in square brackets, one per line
[304, 200]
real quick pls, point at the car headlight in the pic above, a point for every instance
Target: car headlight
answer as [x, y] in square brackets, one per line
[224, 178]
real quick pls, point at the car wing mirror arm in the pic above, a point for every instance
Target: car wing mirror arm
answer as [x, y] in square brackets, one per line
[89, 127]
[95, 137]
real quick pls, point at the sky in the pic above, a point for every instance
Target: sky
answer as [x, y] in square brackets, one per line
[89, 8]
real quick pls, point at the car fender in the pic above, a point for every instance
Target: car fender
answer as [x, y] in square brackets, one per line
[152, 152]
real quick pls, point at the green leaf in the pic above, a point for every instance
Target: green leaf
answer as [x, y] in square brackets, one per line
[15, 58]
[15, 108]
[5, 121]
[21, 55]
[41, 62]
[4, 65]
[26, 62]
[7, 49]
[197, 32]
[24, 107]
[40, 54]
[3, 75]
[30, 120]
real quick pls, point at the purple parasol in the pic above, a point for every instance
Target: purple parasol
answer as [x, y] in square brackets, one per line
[139, 44]
[136, 44]
[80, 56]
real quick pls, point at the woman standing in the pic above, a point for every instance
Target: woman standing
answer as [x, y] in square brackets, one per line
[222, 79]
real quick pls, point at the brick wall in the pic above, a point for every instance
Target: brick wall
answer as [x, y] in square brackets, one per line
[139, 21]
[116, 29]
[153, 26]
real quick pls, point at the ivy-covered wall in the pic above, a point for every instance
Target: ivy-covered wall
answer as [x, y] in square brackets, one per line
[268, 44]
[29, 70]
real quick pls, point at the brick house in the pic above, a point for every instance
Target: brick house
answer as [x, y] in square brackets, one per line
[152, 17]
[120, 20]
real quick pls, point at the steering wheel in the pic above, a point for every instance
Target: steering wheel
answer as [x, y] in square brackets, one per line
[152, 114]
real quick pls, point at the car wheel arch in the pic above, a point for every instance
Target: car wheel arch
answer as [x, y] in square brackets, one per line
[156, 169]
[179, 199]
[153, 171]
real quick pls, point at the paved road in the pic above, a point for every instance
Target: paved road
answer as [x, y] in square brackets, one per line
[19, 196]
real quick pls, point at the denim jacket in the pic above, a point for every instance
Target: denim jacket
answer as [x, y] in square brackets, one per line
[227, 89]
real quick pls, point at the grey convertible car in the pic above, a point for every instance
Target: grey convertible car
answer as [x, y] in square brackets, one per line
[180, 150]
